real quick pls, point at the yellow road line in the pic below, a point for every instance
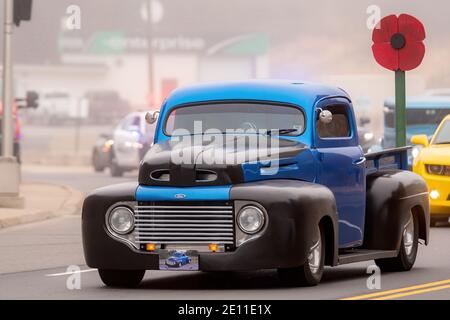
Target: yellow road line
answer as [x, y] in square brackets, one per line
[411, 293]
[394, 291]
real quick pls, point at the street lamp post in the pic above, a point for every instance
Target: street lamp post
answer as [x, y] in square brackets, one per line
[7, 116]
[9, 168]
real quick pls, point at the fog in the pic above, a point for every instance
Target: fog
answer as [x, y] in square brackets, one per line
[106, 60]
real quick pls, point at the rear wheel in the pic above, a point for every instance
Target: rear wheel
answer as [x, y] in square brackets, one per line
[408, 248]
[121, 278]
[311, 272]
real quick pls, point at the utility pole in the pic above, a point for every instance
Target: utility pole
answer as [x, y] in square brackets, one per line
[9, 167]
[7, 116]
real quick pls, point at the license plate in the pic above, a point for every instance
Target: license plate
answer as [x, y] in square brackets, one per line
[178, 259]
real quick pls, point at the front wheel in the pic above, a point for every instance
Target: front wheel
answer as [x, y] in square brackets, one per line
[311, 272]
[96, 162]
[121, 278]
[406, 257]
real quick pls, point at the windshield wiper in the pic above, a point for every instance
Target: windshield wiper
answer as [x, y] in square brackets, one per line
[443, 142]
[280, 131]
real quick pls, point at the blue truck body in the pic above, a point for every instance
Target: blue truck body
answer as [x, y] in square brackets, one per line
[349, 189]
[326, 202]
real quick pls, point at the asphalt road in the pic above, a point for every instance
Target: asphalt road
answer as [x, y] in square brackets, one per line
[35, 259]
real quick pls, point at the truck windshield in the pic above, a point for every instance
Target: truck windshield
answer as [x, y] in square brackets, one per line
[235, 118]
[443, 136]
[416, 116]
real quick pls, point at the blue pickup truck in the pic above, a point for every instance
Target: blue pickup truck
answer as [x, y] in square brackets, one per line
[258, 175]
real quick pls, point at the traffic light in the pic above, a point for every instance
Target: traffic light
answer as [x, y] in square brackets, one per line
[32, 99]
[22, 11]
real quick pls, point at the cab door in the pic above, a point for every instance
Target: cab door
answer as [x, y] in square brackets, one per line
[341, 167]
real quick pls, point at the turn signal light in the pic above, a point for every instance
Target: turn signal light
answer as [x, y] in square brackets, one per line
[150, 247]
[213, 247]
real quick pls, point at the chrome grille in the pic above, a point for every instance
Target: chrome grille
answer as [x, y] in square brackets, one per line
[178, 223]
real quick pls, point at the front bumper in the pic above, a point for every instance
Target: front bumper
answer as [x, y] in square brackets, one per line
[293, 209]
[279, 245]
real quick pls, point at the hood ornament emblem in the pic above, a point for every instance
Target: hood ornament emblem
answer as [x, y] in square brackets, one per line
[180, 196]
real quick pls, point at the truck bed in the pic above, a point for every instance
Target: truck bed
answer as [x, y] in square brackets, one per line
[395, 158]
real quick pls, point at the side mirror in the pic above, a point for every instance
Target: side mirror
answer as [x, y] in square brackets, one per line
[325, 116]
[151, 117]
[32, 99]
[420, 139]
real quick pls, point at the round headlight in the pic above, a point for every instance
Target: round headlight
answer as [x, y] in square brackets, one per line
[121, 220]
[250, 219]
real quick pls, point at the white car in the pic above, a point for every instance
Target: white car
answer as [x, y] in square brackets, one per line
[132, 138]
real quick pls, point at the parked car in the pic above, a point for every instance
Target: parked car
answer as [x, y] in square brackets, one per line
[132, 138]
[101, 152]
[433, 164]
[177, 259]
[315, 199]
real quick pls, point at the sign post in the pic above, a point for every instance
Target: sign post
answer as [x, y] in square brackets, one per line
[400, 108]
[398, 46]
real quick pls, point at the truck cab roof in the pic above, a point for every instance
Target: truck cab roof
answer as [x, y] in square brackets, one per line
[282, 91]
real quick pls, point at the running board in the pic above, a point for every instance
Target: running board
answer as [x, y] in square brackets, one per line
[358, 255]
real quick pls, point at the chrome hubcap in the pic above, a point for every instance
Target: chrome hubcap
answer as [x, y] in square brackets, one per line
[315, 256]
[408, 236]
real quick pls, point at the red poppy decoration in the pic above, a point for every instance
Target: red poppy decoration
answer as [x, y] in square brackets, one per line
[398, 42]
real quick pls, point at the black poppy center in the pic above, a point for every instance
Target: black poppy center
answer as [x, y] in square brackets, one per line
[398, 41]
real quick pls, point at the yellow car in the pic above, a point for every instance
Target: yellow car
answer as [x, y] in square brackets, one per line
[433, 164]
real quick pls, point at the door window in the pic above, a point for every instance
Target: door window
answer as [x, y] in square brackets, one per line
[339, 127]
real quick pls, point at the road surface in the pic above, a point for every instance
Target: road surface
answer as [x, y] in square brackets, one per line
[36, 257]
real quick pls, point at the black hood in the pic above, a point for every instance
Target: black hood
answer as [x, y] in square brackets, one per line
[207, 163]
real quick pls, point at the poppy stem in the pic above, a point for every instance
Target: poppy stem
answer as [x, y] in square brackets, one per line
[400, 108]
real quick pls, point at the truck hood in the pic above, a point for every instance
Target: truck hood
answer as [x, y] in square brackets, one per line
[195, 162]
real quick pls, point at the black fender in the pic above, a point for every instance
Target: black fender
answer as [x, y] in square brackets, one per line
[293, 208]
[390, 197]
[100, 249]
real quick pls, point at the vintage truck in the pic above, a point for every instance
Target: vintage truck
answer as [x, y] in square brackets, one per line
[304, 196]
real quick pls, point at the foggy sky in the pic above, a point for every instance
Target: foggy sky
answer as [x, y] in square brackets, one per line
[306, 37]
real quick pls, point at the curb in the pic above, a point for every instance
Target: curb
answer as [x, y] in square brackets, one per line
[71, 205]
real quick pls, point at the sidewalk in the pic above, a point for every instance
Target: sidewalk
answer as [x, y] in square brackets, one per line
[42, 201]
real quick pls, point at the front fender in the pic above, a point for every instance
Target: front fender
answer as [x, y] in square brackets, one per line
[293, 208]
[100, 249]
